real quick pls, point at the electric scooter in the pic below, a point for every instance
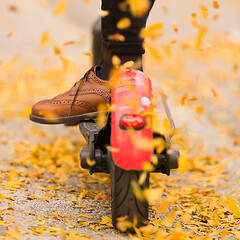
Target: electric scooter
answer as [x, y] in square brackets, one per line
[124, 147]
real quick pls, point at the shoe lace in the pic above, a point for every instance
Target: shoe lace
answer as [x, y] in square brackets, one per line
[81, 81]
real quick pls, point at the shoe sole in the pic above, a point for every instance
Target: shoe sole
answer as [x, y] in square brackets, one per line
[68, 121]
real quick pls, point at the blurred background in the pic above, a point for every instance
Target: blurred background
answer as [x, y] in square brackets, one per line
[45, 47]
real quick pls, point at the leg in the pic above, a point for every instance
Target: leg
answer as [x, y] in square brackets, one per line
[130, 49]
[82, 101]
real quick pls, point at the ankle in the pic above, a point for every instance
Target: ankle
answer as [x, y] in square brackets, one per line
[107, 64]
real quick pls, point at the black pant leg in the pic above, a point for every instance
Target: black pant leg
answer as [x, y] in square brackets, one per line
[132, 43]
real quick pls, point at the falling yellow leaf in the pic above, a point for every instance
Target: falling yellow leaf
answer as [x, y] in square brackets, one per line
[152, 31]
[128, 64]
[148, 167]
[69, 43]
[164, 9]
[201, 33]
[29, 70]
[191, 133]
[44, 39]
[214, 92]
[112, 149]
[183, 163]
[154, 159]
[116, 60]
[124, 23]
[142, 178]
[131, 88]
[102, 117]
[138, 7]
[90, 162]
[184, 99]
[233, 206]
[200, 110]
[49, 114]
[215, 4]
[57, 50]
[174, 27]
[204, 12]
[154, 52]
[137, 190]
[116, 37]
[104, 13]
[88, 54]
[10, 33]
[152, 194]
[60, 8]
[2, 18]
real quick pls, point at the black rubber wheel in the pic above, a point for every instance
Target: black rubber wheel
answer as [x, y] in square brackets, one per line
[124, 201]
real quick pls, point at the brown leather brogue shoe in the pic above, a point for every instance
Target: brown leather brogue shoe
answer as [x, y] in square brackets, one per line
[80, 103]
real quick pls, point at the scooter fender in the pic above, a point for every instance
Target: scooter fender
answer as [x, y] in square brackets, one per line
[131, 126]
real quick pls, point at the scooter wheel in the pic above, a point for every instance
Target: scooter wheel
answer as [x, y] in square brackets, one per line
[125, 205]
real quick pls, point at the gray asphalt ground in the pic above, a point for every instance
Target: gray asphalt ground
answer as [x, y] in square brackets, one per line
[30, 20]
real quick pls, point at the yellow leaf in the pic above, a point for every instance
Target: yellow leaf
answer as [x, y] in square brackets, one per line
[91, 162]
[163, 207]
[102, 117]
[128, 64]
[174, 27]
[137, 190]
[116, 37]
[10, 33]
[48, 114]
[200, 110]
[4, 196]
[184, 99]
[191, 133]
[182, 164]
[142, 178]
[168, 221]
[86, 216]
[155, 53]
[204, 12]
[124, 23]
[152, 194]
[116, 60]
[154, 159]
[152, 31]
[29, 70]
[104, 13]
[215, 4]
[131, 88]
[233, 206]
[201, 33]
[112, 149]
[44, 39]
[57, 50]
[88, 54]
[60, 8]
[138, 7]
[40, 187]
[26, 111]
[214, 92]
[2, 18]
[148, 167]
